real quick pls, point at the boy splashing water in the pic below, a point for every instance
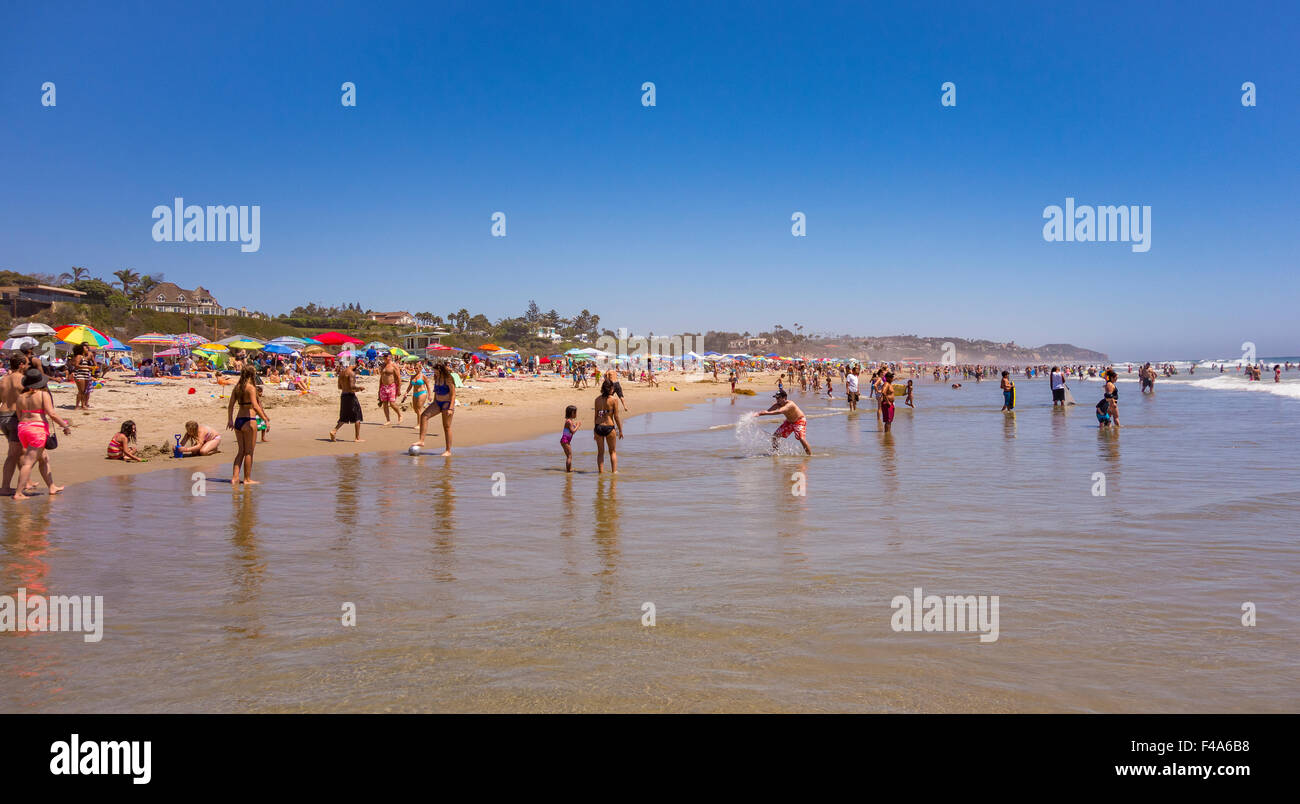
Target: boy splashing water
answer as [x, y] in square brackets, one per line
[795, 422]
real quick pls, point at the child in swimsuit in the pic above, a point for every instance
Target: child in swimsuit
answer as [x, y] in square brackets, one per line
[200, 440]
[119, 446]
[571, 425]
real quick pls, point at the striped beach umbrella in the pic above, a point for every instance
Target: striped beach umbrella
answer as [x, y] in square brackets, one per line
[80, 333]
[189, 340]
[153, 339]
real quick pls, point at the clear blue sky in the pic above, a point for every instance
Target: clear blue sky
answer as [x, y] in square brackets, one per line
[921, 219]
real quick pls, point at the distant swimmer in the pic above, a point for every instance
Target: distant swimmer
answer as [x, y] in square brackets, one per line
[795, 422]
[956, 385]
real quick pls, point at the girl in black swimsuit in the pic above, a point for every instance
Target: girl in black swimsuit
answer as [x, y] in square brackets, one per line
[245, 424]
[606, 412]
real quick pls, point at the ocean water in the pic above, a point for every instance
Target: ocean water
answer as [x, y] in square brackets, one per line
[764, 600]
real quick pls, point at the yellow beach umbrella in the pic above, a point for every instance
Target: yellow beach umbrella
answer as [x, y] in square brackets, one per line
[253, 345]
[211, 347]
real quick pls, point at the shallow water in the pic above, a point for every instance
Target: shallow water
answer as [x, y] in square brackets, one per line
[765, 601]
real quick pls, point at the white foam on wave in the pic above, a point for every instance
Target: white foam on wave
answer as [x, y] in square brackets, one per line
[1223, 382]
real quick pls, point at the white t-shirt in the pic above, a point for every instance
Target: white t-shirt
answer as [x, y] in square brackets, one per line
[851, 383]
[1058, 380]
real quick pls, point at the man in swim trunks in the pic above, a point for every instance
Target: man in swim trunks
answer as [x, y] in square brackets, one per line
[390, 384]
[795, 422]
[886, 406]
[349, 405]
[851, 388]
[10, 386]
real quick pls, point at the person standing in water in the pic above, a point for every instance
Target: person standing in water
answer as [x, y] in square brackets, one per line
[444, 402]
[607, 412]
[1008, 392]
[1057, 381]
[795, 423]
[349, 405]
[245, 423]
[1112, 394]
[851, 388]
[11, 385]
[35, 410]
[886, 407]
[571, 426]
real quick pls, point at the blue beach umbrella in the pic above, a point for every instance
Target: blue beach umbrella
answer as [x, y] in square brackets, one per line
[278, 349]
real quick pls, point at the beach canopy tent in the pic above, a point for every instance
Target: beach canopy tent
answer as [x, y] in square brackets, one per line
[544, 360]
[80, 333]
[31, 329]
[336, 339]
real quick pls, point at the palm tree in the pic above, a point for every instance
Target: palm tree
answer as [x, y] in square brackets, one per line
[78, 273]
[145, 284]
[126, 279]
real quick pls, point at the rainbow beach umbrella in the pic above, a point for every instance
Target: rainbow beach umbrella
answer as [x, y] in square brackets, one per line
[80, 333]
[152, 339]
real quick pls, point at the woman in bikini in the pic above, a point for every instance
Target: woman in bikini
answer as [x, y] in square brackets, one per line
[35, 410]
[245, 395]
[81, 367]
[606, 422]
[417, 389]
[1111, 392]
[444, 402]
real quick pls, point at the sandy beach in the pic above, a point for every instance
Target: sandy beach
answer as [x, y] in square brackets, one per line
[490, 410]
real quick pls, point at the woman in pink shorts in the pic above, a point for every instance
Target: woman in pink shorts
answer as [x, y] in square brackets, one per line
[35, 409]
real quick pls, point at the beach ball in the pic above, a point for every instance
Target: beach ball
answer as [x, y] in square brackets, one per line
[191, 391]
[414, 449]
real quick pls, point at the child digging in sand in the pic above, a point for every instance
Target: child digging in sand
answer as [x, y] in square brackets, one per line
[119, 446]
[795, 422]
[200, 440]
[571, 425]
